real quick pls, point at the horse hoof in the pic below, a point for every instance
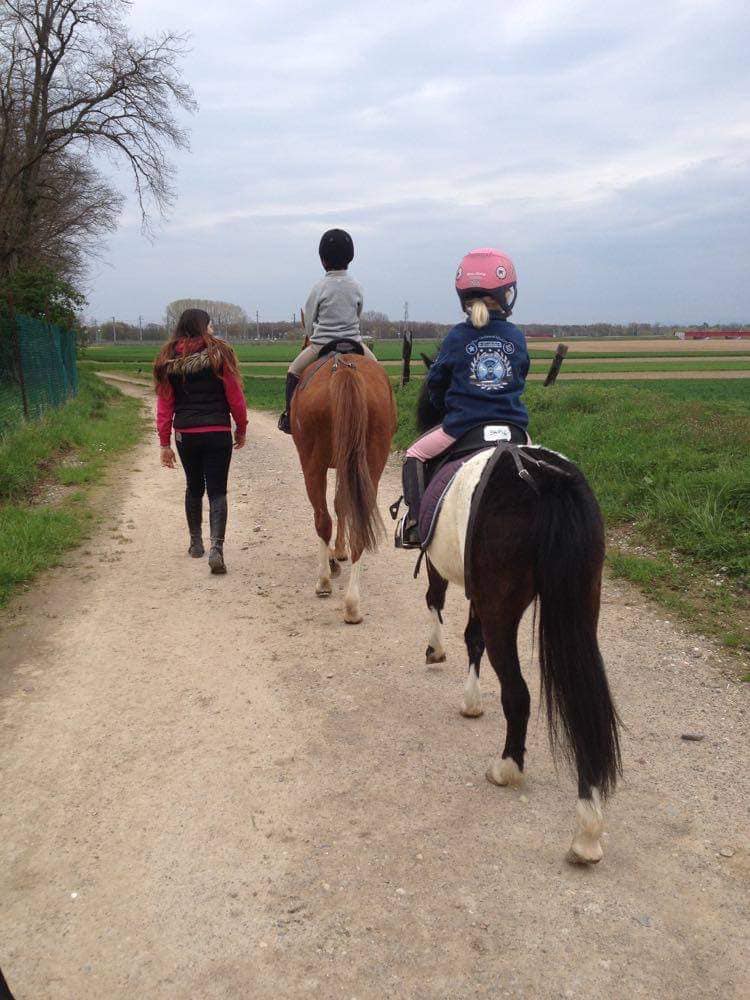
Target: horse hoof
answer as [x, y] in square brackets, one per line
[574, 858]
[505, 772]
[323, 590]
[341, 558]
[471, 711]
[335, 568]
[353, 620]
[432, 656]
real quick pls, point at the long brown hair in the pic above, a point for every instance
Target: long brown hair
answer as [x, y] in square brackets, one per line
[193, 325]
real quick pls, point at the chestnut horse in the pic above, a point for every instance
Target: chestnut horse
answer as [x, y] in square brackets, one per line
[343, 417]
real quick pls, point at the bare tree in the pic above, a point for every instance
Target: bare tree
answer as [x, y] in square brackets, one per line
[74, 83]
[223, 314]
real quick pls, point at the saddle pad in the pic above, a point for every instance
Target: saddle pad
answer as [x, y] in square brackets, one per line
[432, 501]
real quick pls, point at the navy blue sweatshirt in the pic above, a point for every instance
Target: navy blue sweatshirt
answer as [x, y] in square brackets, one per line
[479, 376]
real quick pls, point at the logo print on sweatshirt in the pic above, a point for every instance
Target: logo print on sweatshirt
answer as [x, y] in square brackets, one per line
[490, 367]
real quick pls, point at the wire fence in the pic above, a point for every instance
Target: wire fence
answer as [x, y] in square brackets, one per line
[38, 368]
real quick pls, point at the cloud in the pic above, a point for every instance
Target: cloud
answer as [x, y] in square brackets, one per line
[603, 149]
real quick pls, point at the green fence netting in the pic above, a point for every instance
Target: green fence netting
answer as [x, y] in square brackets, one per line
[38, 368]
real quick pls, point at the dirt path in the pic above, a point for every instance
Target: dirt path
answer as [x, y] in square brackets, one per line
[213, 788]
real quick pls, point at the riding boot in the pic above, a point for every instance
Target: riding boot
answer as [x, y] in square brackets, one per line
[217, 517]
[407, 531]
[292, 382]
[194, 515]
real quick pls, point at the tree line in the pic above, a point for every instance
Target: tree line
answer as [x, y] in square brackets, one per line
[232, 322]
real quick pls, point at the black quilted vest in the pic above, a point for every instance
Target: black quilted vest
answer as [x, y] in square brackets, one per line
[199, 397]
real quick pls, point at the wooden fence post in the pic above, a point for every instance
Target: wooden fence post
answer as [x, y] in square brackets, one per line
[406, 357]
[554, 370]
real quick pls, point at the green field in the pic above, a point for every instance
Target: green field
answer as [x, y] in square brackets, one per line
[390, 350]
[539, 366]
[61, 455]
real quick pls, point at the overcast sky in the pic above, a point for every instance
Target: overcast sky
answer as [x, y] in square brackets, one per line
[604, 146]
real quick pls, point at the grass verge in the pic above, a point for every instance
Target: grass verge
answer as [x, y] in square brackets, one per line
[69, 447]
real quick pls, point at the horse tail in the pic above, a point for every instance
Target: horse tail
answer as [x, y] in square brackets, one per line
[569, 554]
[356, 497]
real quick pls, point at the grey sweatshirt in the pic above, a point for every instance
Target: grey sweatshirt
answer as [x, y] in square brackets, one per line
[333, 308]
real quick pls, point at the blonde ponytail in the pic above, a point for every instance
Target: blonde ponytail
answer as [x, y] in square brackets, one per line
[479, 314]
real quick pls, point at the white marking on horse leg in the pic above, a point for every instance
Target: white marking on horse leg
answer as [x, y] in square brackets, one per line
[472, 706]
[435, 648]
[323, 587]
[586, 848]
[352, 613]
[504, 771]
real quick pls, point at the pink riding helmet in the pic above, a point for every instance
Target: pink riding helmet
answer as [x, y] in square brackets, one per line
[486, 272]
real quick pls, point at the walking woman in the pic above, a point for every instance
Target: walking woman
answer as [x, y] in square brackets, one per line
[198, 386]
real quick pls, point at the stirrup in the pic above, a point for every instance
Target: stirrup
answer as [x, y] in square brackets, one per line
[284, 423]
[407, 535]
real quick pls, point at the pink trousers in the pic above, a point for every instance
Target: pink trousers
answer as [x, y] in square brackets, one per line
[430, 444]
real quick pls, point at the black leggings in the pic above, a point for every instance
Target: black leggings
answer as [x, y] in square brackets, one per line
[205, 458]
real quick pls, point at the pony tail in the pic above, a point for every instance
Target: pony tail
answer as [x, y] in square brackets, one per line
[569, 552]
[356, 495]
[479, 314]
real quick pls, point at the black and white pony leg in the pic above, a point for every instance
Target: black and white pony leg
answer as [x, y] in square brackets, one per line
[472, 703]
[514, 695]
[435, 603]
[586, 848]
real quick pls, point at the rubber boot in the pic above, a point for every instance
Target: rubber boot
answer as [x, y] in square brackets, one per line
[407, 531]
[217, 517]
[292, 381]
[194, 515]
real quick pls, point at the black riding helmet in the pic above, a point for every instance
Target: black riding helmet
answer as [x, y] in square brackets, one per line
[336, 249]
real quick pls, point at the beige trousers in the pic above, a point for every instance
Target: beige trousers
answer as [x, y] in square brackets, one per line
[309, 354]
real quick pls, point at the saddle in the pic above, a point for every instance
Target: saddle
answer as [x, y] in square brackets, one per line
[344, 345]
[441, 470]
[479, 438]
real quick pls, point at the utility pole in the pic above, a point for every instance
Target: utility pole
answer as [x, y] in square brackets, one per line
[114, 331]
[257, 326]
[140, 327]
